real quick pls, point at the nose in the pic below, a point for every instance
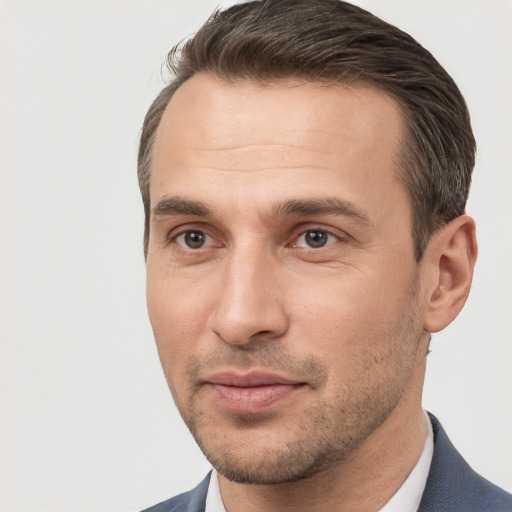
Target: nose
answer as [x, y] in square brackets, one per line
[250, 301]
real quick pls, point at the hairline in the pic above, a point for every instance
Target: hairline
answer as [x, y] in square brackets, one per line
[404, 157]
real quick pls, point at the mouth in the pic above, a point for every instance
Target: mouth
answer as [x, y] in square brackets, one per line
[251, 392]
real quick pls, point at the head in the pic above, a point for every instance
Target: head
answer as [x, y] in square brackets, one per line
[339, 43]
[304, 179]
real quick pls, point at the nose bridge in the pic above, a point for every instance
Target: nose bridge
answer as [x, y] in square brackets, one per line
[248, 300]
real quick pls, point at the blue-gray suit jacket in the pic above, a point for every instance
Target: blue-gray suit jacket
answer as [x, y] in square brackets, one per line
[452, 486]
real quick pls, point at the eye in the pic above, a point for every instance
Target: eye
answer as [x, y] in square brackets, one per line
[315, 239]
[194, 239]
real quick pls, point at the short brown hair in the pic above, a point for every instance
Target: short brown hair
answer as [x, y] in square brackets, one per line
[334, 41]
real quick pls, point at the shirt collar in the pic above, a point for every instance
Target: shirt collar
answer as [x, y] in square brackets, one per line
[406, 499]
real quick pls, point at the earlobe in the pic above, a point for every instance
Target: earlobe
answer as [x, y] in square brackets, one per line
[451, 254]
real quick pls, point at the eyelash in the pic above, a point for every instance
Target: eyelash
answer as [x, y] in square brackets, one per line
[190, 231]
[173, 236]
[330, 233]
[338, 236]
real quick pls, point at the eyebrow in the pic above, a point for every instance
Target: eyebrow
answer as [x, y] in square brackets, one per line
[321, 206]
[179, 206]
[169, 206]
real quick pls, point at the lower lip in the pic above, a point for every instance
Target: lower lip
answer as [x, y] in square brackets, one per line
[252, 399]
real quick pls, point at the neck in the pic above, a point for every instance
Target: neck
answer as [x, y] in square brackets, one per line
[363, 482]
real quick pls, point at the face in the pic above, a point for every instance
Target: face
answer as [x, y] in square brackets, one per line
[281, 281]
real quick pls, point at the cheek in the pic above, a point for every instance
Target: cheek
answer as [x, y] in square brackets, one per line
[178, 321]
[175, 305]
[340, 304]
[353, 320]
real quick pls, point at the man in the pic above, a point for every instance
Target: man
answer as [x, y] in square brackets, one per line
[304, 179]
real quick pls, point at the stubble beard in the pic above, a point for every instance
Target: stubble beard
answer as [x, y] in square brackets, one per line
[323, 436]
[309, 448]
[326, 433]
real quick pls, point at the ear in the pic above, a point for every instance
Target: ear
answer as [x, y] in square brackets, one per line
[450, 255]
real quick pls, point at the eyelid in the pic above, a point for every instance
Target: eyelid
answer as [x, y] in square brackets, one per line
[173, 235]
[175, 232]
[304, 245]
[339, 234]
[207, 244]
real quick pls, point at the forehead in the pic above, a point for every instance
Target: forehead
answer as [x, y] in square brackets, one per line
[310, 135]
[223, 114]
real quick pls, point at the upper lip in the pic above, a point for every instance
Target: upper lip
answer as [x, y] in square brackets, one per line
[251, 379]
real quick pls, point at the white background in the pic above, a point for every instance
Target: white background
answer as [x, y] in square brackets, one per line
[87, 421]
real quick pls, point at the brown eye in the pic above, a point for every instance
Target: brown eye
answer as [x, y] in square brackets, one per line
[194, 239]
[316, 239]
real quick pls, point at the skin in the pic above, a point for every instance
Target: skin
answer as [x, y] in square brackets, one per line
[248, 181]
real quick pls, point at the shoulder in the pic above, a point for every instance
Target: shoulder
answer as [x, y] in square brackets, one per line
[453, 486]
[191, 501]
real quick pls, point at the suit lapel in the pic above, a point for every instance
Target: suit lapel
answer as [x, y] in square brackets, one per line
[452, 486]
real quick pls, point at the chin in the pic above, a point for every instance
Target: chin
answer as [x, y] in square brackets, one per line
[268, 463]
[265, 469]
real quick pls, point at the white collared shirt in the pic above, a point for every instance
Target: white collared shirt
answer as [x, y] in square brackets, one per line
[406, 499]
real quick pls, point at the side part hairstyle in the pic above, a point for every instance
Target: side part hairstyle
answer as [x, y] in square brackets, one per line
[334, 42]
